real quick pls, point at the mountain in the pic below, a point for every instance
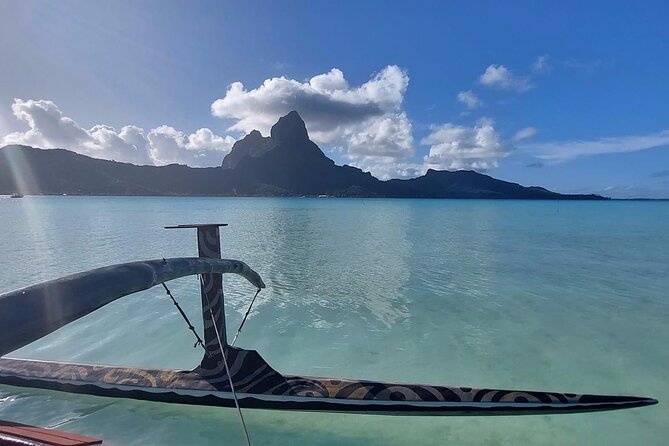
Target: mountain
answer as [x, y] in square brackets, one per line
[287, 163]
[290, 161]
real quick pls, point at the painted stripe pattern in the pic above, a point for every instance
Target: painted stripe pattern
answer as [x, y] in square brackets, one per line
[252, 376]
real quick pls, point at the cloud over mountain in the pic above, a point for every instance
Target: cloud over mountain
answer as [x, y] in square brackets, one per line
[365, 120]
[48, 127]
[450, 146]
[458, 147]
[202, 148]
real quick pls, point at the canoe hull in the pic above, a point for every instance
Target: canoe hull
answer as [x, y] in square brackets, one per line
[302, 393]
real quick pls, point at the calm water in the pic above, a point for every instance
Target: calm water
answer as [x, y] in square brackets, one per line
[531, 295]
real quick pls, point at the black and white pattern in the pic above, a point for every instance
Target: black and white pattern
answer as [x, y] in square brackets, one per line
[258, 385]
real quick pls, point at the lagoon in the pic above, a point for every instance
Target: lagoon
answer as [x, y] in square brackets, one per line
[547, 295]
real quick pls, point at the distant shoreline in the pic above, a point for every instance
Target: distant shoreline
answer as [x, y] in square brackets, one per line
[287, 164]
[332, 197]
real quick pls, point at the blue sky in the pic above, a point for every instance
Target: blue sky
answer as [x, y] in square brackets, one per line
[571, 95]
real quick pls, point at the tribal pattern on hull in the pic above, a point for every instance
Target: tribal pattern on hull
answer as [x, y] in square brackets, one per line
[253, 377]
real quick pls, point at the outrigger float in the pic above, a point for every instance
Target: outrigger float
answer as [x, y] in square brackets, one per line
[229, 376]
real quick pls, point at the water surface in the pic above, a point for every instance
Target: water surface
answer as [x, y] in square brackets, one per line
[562, 296]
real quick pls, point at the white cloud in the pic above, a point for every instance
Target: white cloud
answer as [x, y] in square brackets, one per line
[205, 139]
[387, 168]
[367, 120]
[48, 128]
[200, 149]
[451, 147]
[128, 145]
[470, 100]
[541, 65]
[330, 82]
[525, 133]
[565, 150]
[498, 76]
[386, 136]
[458, 147]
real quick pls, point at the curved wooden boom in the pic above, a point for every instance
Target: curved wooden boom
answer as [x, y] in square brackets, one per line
[33, 312]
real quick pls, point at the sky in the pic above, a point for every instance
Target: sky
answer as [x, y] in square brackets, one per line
[572, 96]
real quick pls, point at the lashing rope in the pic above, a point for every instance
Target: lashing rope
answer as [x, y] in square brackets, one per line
[245, 316]
[185, 318]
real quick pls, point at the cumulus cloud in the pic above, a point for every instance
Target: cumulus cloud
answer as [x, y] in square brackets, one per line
[565, 150]
[385, 169]
[49, 128]
[499, 76]
[202, 148]
[387, 136]
[458, 147]
[525, 133]
[367, 121]
[469, 99]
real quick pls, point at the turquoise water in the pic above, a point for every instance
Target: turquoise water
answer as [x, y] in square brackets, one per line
[532, 295]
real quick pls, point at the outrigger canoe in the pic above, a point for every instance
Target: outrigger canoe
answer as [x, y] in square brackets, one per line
[31, 313]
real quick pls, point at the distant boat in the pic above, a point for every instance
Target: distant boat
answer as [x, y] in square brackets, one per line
[17, 195]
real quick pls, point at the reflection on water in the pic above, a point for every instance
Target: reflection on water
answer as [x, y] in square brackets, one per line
[479, 293]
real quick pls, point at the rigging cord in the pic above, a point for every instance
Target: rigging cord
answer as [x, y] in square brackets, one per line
[225, 363]
[245, 316]
[183, 315]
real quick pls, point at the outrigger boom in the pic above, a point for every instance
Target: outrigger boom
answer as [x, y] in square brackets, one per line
[31, 313]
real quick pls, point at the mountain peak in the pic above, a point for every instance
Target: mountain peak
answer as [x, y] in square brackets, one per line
[290, 128]
[289, 134]
[253, 144]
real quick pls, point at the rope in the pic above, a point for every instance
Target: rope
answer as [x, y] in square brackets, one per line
[245, 316]
[227, 369]
[183, 315]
